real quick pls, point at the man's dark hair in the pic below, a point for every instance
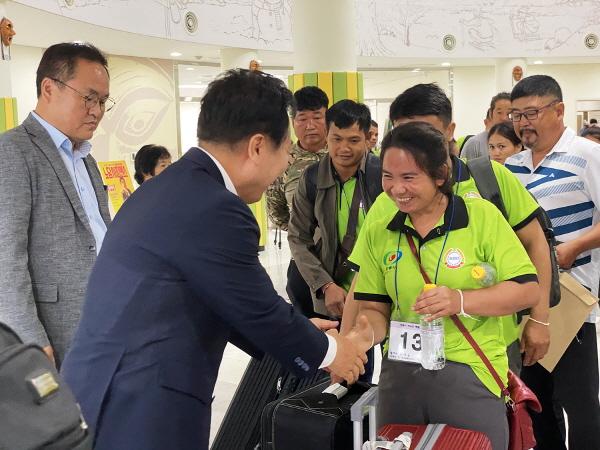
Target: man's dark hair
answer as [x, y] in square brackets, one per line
[374, 124]
[422, 100]
[146, 160]
[426, 145]
[495, 99]
[537, 86]
[591, 131]
[59, 61]
[309, 98]
[241, 103]
[346, 113]
[593, 121]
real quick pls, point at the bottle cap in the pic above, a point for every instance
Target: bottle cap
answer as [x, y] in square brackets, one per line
[428, 287]
[478, 272]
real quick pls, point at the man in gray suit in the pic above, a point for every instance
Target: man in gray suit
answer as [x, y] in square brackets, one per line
[53, 206]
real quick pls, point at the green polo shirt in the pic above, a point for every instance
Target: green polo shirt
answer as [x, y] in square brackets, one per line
[478, 234]
[345, 192]
[520, 206]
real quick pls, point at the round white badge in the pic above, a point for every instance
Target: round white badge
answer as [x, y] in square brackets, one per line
[454, 258]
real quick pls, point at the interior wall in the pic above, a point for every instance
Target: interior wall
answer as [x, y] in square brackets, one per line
[146, 109]
[473, 89]
[22, 68]
[578, 82]
[145, 113]
[188, 116]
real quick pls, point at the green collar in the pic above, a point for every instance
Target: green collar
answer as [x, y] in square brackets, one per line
[461, 220]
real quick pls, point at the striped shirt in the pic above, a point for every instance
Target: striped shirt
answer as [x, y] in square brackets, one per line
[566, 183]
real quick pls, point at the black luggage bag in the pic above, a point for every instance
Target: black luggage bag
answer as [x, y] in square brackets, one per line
[311, 419]
[264, 381]
[37, 409]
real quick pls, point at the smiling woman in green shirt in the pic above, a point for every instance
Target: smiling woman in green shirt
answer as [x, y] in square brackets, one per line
[454, 236]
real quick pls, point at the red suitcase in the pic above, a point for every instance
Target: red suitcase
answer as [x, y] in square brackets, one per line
[437, 437]
[422, 437]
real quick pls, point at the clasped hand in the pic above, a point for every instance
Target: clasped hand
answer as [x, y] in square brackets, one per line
[437, 302]
[351, 356]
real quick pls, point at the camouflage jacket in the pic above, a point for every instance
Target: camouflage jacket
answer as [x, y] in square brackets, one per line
[280, 193]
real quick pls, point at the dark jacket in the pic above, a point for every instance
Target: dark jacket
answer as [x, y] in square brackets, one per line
[313, 231]
[178, 277]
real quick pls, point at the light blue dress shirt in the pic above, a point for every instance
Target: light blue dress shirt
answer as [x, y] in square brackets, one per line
[75, 165]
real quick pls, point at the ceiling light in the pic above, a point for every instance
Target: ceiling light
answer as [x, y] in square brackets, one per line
[538, 62]
[446, 64]
[190, 68]
[416, 69]
[175, 54]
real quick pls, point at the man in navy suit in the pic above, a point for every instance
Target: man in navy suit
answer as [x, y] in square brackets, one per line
[178, 277]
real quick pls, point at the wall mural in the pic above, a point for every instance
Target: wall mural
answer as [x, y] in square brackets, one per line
[145, 110]
[260, 24]
[476, 28]
[407, 28]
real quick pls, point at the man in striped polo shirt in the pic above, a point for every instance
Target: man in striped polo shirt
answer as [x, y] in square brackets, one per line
[561, 170]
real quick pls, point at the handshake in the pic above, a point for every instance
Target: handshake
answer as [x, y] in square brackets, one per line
[351, 356]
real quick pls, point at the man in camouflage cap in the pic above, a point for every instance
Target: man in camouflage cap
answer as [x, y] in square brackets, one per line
[309, 126]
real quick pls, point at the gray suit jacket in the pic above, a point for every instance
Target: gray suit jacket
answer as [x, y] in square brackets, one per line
[47, 248]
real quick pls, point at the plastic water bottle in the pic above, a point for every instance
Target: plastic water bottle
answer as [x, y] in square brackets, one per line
[433, 356]
[484, 274]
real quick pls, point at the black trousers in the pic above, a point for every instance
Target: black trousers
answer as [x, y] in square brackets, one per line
[572, 387]
[299, 292]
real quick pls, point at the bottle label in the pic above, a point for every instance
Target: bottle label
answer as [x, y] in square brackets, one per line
[405, 342]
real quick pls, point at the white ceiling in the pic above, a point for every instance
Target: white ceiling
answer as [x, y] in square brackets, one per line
[39, 28]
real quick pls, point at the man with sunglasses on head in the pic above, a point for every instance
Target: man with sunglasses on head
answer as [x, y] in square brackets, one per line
[560, 169]
[54, 206]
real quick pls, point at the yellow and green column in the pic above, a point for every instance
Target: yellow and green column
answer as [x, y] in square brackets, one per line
[8, 113]
[337, 85]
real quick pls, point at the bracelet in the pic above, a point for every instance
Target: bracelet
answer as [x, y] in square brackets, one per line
[324, 288]
[546, 324]
[462, 312]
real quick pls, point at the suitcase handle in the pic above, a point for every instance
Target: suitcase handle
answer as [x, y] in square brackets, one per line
[369, 402]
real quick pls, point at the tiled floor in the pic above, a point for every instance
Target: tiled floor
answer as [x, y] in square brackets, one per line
[234, 363]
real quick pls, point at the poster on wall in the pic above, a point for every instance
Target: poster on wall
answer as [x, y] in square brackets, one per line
[115, 176]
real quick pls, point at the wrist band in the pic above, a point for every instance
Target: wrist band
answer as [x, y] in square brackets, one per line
[546, 324]
[462, 312]
[324, 288]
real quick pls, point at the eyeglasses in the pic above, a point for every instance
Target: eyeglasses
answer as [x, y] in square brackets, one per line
[106, 104]
[530, 114]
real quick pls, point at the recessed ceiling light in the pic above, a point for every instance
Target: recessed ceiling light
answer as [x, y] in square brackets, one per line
[538, 62]
[446, 64]
[175, 54]
[190, 68]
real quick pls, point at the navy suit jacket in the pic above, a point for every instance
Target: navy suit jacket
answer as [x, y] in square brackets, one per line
[178, 276]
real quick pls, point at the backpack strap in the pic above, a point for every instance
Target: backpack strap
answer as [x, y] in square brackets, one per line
[369, 189]
[486, 182]
[8, 337]
[311, 182]
[372, 180]
[462, 145]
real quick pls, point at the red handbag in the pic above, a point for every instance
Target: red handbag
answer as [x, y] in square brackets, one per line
[519, 398]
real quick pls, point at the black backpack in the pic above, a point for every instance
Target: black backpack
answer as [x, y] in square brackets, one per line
[372, 172]
[487, 184]
[37, 409]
